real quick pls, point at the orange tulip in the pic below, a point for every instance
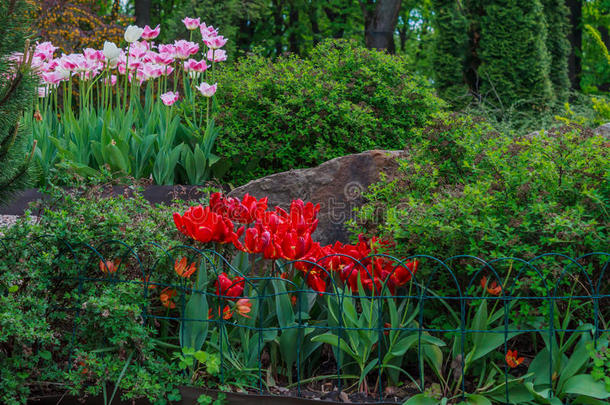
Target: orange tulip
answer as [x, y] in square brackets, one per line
[167, 296]
[147, 281]
[512, 358]
[243, 306]
[183, 269]
[109, 266]
[493, 288]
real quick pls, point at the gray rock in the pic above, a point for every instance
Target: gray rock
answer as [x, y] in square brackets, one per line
[336, 185]
[604, 131]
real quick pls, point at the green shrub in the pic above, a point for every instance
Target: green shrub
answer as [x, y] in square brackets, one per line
[466, 189]
[295, 112]
[38, 300]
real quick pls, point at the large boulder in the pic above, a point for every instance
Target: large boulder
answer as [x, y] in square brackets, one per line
[604, 131]
[336, 185]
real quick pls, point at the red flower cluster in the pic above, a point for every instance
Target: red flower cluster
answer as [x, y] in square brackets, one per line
[287, 235]
[205, 225]
[354, 261]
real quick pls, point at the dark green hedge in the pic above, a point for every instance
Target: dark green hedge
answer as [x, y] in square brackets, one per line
[294, 113]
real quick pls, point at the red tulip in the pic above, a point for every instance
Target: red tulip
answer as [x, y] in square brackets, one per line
[512, 359]
[229, 288]
[493, 288]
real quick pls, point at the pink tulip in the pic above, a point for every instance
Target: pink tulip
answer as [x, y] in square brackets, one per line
[164, 58]
[138, 49]
[149, 33]
[45, 51]
[206, 90]
[193, 66]
[57, 76]
[93, 55]
[43, 92]
[167, 70]
[217, 55]
[191, 23]
[71, 62]
[152, 71]
[112, 80]
[184, 49]
[207, 32]
[51, 65]
[215, 42]
[169, 98]
[167, 49]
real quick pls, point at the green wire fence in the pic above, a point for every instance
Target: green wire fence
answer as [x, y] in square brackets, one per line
[451, 330]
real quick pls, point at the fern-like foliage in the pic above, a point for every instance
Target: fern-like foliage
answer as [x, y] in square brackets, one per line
[17, 89]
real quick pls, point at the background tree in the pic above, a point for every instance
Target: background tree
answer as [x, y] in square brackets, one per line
[17, 87]
[515, 63]
[575, 38]
[380, 18]
[449, 52]
[556, 14]
[142, 12]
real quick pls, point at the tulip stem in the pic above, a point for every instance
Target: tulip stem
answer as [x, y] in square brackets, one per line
[126, 77]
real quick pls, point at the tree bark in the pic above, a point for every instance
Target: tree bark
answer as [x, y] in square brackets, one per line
[380, 18]
[142, 10]
[575, 38]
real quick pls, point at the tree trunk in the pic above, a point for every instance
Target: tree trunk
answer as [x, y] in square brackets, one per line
[575, 38]
[293, 20]
[142, 9]
[380, 18]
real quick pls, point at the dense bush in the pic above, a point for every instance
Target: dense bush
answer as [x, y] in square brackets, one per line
[36, 345]
[296, 112]
[466, 189]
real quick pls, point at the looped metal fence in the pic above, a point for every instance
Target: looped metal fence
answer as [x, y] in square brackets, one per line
[450, 329]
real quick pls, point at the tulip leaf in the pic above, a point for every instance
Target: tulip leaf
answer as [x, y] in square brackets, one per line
[334, 340]
[421, 399]
[584, 384]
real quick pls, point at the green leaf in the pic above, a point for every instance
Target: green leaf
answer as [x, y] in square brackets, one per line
[474, 399]
[421, 399]
[194, 332]
[337, 342]
[576, 363]
[584, 384]
[492, 340]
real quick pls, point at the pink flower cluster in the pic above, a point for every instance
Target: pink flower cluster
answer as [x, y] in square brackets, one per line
[143, 59]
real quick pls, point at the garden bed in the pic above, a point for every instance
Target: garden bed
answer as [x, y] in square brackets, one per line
[190, 396]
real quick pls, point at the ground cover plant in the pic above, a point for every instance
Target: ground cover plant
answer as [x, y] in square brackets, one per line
[246, 300]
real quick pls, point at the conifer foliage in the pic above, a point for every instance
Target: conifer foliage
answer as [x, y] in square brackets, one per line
[515, 63]
[17, 89]
[515, 52]
[450, 49]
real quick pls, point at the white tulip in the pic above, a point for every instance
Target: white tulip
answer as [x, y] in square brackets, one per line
[111, 51]
[133, 33]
